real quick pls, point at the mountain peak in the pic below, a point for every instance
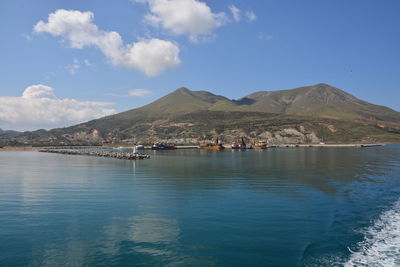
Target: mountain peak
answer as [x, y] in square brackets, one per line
[183, 90]
[326, 92]
[322, 85]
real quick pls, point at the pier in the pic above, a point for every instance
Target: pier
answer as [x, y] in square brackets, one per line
[98, 153]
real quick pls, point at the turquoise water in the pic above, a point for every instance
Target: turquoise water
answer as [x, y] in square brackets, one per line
[281, 207]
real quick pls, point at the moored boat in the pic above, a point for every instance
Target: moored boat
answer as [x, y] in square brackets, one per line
[212, 147]
[239, 145]
[140, 147]
[261, 144]
[163, 146]
[217, 145]
[235, 146]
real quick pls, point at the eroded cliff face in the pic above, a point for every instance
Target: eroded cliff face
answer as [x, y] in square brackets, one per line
[277, 130]
[281, 137]
[291, 136]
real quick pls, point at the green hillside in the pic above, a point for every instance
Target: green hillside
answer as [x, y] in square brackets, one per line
[321, 100]
[302, 115]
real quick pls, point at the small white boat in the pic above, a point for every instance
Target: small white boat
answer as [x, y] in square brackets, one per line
[139, 147]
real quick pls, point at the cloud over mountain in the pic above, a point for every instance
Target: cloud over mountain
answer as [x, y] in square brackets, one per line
[184, 17]
[140, 92]
[151, 56]
[38, 107]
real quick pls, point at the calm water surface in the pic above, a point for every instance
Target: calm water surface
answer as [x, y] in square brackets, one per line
[281, 207]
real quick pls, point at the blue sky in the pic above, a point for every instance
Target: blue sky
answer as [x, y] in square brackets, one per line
[269, 45]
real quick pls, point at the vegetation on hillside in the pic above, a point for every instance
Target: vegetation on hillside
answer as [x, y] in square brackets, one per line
[318, 113]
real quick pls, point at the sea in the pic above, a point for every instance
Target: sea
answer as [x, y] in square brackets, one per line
[303, 206]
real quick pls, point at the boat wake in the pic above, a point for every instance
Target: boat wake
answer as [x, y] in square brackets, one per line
[381, 245]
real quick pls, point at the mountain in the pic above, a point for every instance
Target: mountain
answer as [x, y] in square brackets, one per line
[184, 100]
[8, 132]
[320, 100]
[302, 115]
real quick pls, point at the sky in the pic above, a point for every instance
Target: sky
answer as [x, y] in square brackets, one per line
[70, 61]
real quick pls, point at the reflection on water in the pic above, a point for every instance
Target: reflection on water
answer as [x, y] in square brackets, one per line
[144, 233]
[280, 207]
[322, 168]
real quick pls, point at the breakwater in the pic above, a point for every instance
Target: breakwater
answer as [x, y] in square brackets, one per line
[98, 153]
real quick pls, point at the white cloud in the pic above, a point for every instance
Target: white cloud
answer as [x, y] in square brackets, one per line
[235, 13]
[74, 67]
[184, 17]
[78, 28]
[251, 16]
[140, 92]
[39, 91]
[152, 56]
[38, 107]
[263, 36]
[87, 63]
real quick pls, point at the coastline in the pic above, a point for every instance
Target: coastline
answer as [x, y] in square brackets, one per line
[36, 149]
[19, 149]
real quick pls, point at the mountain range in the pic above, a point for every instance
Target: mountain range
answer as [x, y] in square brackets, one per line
[310, 114]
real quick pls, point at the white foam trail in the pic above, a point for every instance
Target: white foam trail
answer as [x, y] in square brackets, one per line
[381, 245]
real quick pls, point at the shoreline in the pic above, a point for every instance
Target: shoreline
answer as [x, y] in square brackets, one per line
[36, 149]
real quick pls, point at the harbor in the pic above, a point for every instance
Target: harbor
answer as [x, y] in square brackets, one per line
[148, 147]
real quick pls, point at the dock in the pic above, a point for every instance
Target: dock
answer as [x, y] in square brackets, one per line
[98, 153]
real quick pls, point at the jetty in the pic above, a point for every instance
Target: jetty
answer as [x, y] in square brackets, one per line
[98, 153]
